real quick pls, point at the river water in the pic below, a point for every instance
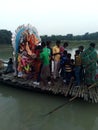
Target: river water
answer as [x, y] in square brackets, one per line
[26, 110]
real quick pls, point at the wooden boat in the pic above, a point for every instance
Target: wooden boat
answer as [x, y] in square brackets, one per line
[58, 88]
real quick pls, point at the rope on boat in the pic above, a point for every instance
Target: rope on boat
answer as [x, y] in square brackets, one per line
[70, 100]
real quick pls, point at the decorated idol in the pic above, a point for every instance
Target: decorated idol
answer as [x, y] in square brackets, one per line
[24, 42]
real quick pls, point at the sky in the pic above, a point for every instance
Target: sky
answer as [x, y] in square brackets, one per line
[50, 17]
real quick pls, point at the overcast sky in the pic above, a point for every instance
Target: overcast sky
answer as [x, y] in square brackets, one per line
[59, 17]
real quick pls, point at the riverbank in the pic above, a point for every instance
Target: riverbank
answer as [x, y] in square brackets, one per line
[72, 44]
[6, 50]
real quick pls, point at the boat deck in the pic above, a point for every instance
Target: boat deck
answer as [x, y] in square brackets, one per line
[89, 94]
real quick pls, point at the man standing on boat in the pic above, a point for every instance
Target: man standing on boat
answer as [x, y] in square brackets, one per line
[45, 59]
[56, 59]
[89, 60]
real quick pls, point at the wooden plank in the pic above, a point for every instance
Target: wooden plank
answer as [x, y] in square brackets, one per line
[69, 87]
[95, 95]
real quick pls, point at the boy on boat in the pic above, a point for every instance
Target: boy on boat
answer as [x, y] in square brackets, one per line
[77, 67]
[68, 69]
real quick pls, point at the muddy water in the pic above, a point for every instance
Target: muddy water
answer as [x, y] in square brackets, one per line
[25, 110]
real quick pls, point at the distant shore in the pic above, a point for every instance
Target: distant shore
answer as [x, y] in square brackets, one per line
[7, 49]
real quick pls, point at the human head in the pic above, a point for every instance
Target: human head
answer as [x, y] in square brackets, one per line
[58, 42]
[48, 43]
[77, 52]
[39, 47]
[65, 52]
[81, 48]
[69, 55]
[10, 59]
[92, 44]
[72, 61]
[43, 44]
[65, 44]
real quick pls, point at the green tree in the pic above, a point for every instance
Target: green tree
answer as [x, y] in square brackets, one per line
[5, 37]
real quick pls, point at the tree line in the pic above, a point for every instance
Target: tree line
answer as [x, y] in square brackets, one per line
[86, 36]
[5, 37]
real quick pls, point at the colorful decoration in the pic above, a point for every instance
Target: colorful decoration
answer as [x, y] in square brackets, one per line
[24, 41]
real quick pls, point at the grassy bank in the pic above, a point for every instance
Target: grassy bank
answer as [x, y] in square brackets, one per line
[6, 49]
[85, 43]
[75, 43]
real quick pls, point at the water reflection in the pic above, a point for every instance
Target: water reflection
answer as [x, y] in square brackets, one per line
[24, 110]
[72, 51]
